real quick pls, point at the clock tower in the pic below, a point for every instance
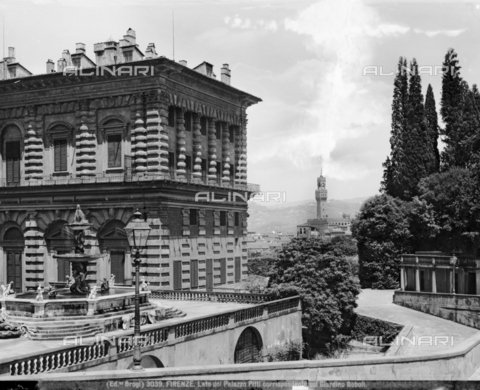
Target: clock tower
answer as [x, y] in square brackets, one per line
[321, 196]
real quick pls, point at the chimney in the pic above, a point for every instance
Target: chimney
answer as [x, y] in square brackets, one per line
[11, 52]
[130, 36]
[225, 74]
[182, 62]
[151, 52]
[61, 64]
[50, 66]
[80, 48]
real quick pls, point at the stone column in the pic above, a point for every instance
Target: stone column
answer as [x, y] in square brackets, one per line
[226, 154]
[181, 143]
[85, 143]
[197, 148]
[139, 137]
[434, 277]
[417, 276]
[154, 155]
[212, 152]
[33, 148]
[243, 140]
[402, 275]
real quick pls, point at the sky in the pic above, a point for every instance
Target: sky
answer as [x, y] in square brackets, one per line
[324, 69]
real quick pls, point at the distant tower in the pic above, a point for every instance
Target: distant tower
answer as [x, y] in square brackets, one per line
[321, 196]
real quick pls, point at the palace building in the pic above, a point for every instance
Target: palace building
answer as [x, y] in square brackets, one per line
[130, 130]
[323, 226]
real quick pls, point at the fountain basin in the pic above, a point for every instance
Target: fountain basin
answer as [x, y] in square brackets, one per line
[66, 304]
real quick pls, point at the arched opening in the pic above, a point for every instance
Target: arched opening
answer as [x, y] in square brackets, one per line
[12, 154]
[59, 238]
[13, 244]
[112, 238]
[149, 361]
[249, 347]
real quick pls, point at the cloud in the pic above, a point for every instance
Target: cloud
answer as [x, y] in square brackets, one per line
[447, 33]
[343, 105]
[261, 24]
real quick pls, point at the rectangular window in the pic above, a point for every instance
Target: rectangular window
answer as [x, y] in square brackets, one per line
[60, 155]
[194, 274]
[117, 266]
[209, 274]
[193, 217]
[223, 218]
[232, 174]
[237, 219]
[188, 121]
[231, 133]
[76, 62]
[238, 269]
[203, 125]
[218, 129]
[128, 56]
[171, 116]
[223, 271]
[114, 150]
[177, 275]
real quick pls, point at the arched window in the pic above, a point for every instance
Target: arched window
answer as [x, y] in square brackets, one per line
[112, 238]
[248, 347]
[13, 243]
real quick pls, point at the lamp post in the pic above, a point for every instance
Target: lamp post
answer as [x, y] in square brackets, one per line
[137, 232]
[453, 262]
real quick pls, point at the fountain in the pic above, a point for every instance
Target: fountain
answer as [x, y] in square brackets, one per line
[78, 309]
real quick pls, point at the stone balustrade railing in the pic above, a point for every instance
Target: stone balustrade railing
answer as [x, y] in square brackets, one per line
[438, 260]
[216, 296]
[119, 344]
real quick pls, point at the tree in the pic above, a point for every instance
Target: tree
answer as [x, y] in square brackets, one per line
[432, 128]
[382, 232]
[456, 210]
[318, 272]
[392, 183]
[453, 90]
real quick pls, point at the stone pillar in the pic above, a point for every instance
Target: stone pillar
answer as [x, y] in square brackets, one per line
[85, 143]
[33, 148]
[402, 275]
[434, 278]
[226, 154]
[139, 137]
[212, 152]
[452, 280]
[34, 255]
[153, 133]
[243, 140]
[197, 148]
[417, 276]
[461, 281]
[181, 171]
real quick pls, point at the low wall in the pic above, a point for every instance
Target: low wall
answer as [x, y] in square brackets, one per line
[210, 339]
[464, 309]
[459, 363]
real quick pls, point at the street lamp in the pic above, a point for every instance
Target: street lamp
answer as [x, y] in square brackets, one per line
[137, 232]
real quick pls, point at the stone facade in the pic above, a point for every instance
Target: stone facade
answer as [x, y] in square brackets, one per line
[113, 144]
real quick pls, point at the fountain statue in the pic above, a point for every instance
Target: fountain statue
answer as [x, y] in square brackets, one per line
[144, 284]
[7, 290]
[77, 281]
[40, 291]
[104, 286]
[112, 280]
[52, 293]
[93, 293]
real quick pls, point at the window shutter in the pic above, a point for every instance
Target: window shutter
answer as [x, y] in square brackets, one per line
[194, 274]
[117, 267]
[177, 275]
[209, 274]
[13, 161]
[63, 155]
[114, 151]
[223, 271]
[238, 270]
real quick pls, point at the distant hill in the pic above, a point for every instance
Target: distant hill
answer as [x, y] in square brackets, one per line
[285, 217]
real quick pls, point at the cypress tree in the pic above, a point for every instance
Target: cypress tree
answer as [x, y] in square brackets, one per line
[451, 111]
[392, 181]
[431, 119]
